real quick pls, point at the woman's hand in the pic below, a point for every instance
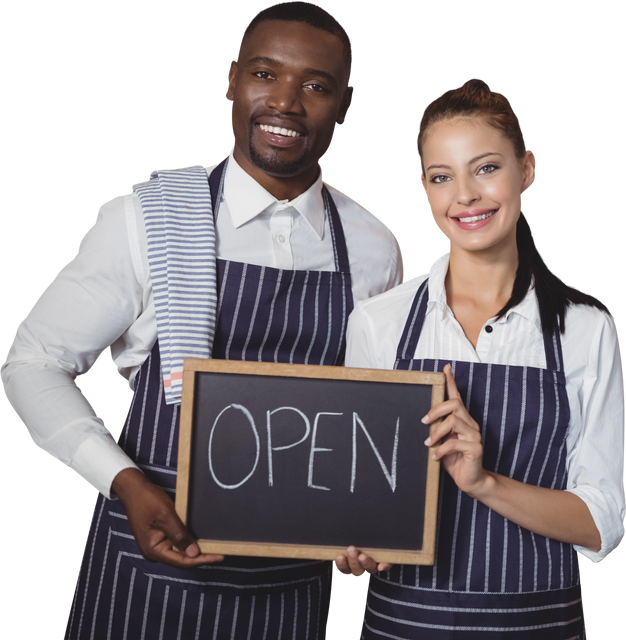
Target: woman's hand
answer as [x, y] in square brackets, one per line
[461, 452]
[357, 563]
[460, 448]
[560, 515]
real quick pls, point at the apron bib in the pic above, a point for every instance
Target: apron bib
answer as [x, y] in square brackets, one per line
[264, 314]
[491, 578]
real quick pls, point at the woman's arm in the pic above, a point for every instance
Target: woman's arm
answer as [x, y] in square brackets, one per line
[595, 440]
[555, 514]
[559, 515]
[595, 445]
[456, 442]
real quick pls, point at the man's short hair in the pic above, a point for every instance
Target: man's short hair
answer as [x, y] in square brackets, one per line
[304, 12]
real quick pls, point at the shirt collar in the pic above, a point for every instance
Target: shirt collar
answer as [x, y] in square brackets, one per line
[528, 308]
[436, 285]
[246, 199]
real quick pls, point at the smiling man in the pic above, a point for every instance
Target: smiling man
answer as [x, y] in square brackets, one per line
[288, 91]
[254, 259]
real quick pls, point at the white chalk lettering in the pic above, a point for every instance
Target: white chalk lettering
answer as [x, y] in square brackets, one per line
[315, 449]
[391, 477]
[256, 437]
[270, 448]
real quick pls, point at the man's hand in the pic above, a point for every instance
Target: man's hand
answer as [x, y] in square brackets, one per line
[155, 523]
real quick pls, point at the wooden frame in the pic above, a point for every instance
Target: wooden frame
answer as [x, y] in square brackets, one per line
[193, 367]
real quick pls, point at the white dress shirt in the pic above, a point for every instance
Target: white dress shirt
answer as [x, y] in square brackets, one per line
[104, 298]
[591, 359]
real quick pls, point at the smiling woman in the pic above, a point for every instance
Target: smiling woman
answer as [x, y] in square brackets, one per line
[474, 183]
[532, 431]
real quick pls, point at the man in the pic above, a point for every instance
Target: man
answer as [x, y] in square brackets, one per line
[261, 261]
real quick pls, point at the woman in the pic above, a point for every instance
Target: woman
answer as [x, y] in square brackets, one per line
[532, 435]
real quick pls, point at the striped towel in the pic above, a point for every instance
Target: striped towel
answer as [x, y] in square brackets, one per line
[178, 215]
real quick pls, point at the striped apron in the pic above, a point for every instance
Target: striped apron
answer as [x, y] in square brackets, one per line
[264, 314]
[492, 579]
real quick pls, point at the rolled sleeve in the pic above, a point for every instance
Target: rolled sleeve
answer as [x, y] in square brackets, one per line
[90, 304]
[596, 439]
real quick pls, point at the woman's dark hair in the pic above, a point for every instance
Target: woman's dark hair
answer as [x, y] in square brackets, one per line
[304, 12]
[475, 99]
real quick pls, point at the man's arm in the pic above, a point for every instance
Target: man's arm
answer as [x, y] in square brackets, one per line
[89, 305]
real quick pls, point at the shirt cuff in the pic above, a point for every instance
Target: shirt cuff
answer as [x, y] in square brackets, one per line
[99, 459]
[606, 518]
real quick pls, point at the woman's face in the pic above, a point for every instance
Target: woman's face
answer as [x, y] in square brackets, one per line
[474, 183]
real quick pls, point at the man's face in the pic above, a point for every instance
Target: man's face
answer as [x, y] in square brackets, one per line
[289, 88]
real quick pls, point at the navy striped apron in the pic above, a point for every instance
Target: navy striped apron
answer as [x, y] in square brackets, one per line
[264, 314]
[492, 579]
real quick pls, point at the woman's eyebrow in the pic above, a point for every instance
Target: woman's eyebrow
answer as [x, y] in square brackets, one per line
[472, 161]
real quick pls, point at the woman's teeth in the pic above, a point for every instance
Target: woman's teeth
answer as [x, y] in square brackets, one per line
[279, 131]
[482, 216]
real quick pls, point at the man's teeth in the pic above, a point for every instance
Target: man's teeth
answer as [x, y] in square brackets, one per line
[282, 132]
[482, 216]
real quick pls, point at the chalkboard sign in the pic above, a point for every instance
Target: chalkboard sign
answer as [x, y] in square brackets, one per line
[302, 461]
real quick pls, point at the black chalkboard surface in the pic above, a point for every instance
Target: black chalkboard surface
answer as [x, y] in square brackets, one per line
[301, 461]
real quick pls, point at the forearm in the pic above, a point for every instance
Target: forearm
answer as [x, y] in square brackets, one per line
[61, 421]
[559, 515]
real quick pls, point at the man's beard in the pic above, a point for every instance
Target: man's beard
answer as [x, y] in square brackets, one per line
[274, 166]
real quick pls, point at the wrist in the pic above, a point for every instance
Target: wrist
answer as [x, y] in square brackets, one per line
[126, 481]
[482, 490]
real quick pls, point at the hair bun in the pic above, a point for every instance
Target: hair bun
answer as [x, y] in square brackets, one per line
[475, 82]
[474, 100]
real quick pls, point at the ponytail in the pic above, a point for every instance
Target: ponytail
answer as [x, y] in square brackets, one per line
[553, 295]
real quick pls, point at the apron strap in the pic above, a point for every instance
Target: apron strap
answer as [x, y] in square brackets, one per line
[413, 325]
[216, 184]
[342, 264]
[554, 352]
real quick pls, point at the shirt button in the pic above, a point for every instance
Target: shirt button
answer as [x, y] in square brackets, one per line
[281, 238]
[488, 328]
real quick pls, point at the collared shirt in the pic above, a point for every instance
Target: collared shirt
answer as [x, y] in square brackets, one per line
[104, 298]
[297, 227]
[591, 360]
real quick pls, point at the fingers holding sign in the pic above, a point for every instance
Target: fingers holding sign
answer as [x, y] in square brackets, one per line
[456, 440]
[357, 563]
[159, 532]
